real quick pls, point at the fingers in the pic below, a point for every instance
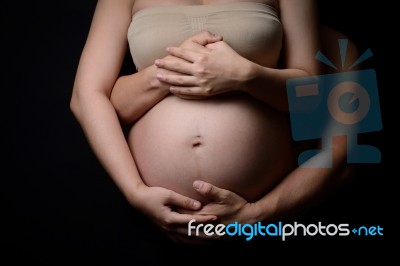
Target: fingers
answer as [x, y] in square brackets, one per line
[191, 97]
[186, 54]
[210, 191]
[179, 223]
[183, 67]
[177, 80]
[179, 200]
[194, 229]
[183, 219]
[205, 38]
[190, 91]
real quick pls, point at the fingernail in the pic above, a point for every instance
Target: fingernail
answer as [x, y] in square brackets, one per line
[157, 62]
[160, 76]
[197, 184]
[168, 49]
[196, 204]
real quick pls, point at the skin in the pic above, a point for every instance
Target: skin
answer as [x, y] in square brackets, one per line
[101, 101]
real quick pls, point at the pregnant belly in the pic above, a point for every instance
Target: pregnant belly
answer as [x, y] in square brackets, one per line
[233, 142]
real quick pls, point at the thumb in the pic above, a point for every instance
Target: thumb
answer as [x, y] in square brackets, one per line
[205, 38]
[179, 200]
[210, 191]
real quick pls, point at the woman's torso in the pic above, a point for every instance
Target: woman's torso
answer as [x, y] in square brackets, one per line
[142, 4]
[235, 142]
[251, 28]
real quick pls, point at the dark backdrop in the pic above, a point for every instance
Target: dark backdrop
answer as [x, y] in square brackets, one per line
[57, 203]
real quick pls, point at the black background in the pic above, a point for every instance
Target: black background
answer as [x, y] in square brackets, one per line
[58, 204]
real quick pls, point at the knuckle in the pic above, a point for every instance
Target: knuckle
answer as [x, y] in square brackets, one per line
[187, 203]
[201, 58]
[201, 70]
[203, 83]
[165, 79]
[207, 189]
[174, 65]
[172, 50]
[155, 83]
[224, 197]
[209, 91]
[160, 62]
[181, 50]
[207, 33]
[180, 80]
[169, 196]
[166, 222]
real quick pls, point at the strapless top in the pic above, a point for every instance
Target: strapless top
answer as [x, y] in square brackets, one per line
[252, 29]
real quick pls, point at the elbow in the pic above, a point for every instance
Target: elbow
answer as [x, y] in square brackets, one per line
[74, 104]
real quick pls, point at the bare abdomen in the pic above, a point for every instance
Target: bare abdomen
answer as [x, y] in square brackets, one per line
[234, 142]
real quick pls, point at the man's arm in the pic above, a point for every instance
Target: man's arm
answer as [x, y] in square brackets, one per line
[300, 44]
[220, 69]
[296, 194]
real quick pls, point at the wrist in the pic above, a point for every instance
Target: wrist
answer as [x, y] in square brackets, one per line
[134, 194]
[151, 78]
[265, 209]
[153, 83]
[250, 73]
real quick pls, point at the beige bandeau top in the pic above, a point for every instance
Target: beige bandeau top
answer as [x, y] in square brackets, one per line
[252, 29]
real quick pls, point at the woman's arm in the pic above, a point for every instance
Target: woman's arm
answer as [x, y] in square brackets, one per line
[98, 69]
[133, 95]
[221, 69]
[97, 72]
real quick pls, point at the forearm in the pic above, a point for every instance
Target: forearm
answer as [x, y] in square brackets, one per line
[305, 188]
[133, 95]
[100, 124]
[269, 85]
